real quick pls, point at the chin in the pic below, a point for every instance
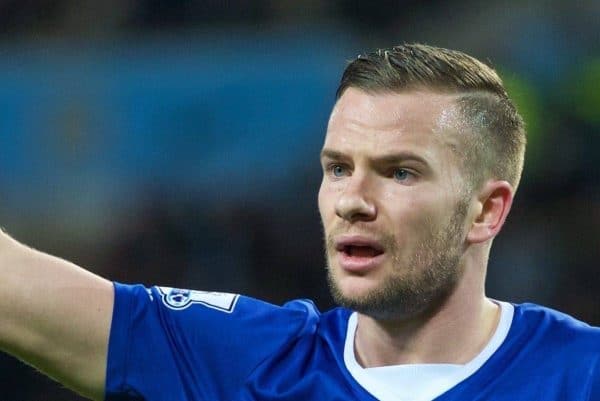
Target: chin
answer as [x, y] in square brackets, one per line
[351, 291]
[356, 287]
[388, 298]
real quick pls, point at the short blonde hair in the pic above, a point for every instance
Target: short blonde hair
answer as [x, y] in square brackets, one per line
[496, 146]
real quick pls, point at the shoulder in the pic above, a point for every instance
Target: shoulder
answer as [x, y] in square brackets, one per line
[218, 316]
[216, 338]
[299, 314]
[546, 316]
[558, 328]
[554, 349]
[331, 325]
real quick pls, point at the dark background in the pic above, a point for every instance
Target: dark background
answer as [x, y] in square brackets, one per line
[176, 142]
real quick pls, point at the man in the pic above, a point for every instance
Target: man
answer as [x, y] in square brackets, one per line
[421, 161]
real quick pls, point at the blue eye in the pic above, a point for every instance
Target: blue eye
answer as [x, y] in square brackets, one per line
[337, 170]
[401, 174]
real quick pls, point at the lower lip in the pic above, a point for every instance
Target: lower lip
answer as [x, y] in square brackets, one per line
[359, 264]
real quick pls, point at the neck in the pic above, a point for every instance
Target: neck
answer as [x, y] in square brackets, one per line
[454, 333]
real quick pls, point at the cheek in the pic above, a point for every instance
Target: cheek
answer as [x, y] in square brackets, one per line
[413, 214]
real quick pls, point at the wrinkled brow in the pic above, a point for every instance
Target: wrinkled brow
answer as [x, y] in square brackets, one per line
[392, 158]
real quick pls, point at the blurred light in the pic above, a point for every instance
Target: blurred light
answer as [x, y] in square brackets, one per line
[584, 89]
[529, 104]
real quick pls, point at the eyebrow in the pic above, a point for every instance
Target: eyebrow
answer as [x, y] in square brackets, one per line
[392, 158]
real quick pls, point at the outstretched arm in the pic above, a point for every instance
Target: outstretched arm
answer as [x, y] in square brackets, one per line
[55, 316]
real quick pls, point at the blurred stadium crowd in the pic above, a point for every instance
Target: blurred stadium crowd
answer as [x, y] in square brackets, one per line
[176, 142]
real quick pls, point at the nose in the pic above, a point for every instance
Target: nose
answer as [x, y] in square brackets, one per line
[355, 202]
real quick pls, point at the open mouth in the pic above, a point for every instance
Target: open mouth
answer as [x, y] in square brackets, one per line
[361, 251]
[359, 254]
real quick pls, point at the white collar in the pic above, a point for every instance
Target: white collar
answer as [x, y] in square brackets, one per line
[420, 382]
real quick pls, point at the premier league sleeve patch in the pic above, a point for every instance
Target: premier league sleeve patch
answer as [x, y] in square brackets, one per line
[179, 299]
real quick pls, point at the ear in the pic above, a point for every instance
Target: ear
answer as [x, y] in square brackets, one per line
[494, 202]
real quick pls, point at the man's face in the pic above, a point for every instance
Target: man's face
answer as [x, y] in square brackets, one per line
[392, 202]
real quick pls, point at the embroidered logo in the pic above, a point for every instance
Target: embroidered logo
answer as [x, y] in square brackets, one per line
[179, 299]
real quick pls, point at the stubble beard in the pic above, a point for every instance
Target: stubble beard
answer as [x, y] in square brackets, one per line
[420, 283]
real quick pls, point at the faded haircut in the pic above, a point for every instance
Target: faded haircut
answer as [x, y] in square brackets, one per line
[494, 144]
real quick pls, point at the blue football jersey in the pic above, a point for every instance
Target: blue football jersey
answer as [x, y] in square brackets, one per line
[178, 345]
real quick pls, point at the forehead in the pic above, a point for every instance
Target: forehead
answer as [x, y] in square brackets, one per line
[388, 121]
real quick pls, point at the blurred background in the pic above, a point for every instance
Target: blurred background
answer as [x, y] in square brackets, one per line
[176, 142]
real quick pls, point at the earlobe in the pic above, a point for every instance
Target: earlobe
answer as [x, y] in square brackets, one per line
[495, 200]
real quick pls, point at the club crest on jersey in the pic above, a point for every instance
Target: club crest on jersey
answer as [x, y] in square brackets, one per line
[178, 299]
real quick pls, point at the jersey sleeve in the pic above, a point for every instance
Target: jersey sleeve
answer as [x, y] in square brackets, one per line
[172, 344]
